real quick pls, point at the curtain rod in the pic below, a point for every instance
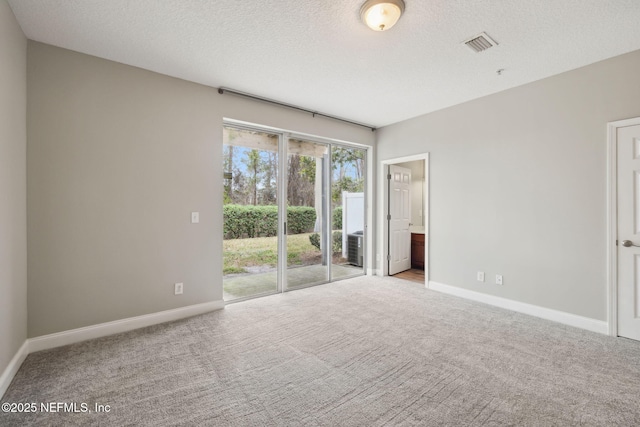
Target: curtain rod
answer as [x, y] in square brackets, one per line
[224, 90]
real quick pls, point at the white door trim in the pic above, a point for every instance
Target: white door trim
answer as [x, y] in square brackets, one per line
[399, 218]
[612, 220]
[382, 241]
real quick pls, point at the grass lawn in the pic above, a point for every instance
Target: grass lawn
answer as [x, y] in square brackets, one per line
[238, 254]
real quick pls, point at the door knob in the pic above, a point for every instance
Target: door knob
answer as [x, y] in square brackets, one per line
[628, 244]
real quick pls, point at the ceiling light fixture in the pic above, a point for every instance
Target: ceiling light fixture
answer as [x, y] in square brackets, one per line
[380, 15]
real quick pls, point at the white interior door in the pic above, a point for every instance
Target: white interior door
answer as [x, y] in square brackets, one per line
[399, 218]
[628, 147]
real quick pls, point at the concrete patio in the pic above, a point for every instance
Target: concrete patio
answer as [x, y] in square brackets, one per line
[254, 284]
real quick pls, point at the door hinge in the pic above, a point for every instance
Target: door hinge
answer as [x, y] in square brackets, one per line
[388, 217]
[388, 257]
[389, 177]
[616, 243]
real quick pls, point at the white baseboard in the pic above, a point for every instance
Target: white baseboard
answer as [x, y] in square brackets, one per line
[12, 368]
[587, 323]
[58, 339]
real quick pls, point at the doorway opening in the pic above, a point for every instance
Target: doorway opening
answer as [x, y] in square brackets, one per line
[404, 213]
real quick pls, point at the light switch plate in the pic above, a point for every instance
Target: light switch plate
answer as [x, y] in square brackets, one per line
[195, 217]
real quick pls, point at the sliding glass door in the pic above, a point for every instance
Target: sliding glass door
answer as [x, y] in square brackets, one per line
[250, 212]
[293, 212]
[348, 211]
[308, 251]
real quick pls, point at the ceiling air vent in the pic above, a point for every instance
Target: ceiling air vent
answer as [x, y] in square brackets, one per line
[480, 42]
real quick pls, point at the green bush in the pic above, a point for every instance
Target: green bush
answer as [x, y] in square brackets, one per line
[337, 241]
[300, 219]
[336, 246]
[242, 221]
[314, 239]
[250, 221]
[337, 218]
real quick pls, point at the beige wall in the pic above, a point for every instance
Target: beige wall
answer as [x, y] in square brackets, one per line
[13, 190]
[518, 184]
[118, 158]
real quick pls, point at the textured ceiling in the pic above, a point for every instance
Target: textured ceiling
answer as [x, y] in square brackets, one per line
[318, 54]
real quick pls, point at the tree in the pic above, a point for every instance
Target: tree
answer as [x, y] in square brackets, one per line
[270, 169]
[349, 165]
[301, 177]
[227, 159]
[252, 161]
[240, 193]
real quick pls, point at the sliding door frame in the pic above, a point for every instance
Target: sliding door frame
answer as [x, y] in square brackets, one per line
[283, 140]
[281, 242]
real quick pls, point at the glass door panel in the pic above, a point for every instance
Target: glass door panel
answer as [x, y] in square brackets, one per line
[308, 253]
[250, 204]
[348, 211]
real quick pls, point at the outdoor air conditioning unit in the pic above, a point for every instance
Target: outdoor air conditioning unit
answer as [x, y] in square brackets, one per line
[354, 248]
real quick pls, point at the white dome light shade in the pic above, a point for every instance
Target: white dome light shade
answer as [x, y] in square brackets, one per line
[380, 15]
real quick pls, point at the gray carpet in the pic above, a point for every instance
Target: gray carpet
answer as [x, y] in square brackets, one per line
[360, 352]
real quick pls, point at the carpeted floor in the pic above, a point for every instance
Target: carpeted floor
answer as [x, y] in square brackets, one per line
[361, 352]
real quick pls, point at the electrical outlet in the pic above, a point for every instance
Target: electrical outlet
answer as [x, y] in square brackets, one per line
[498, 279]
[480, 276]
[178, 288]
